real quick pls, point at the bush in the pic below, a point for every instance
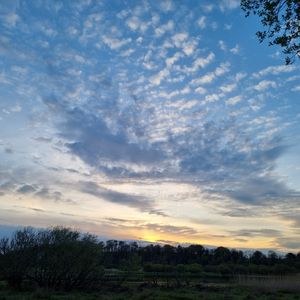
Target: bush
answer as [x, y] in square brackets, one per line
[58, 258]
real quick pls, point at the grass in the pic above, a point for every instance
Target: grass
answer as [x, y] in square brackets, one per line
[244, 288]
[272, 283]
[138, 292]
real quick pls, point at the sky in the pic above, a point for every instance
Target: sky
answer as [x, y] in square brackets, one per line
[161, 121]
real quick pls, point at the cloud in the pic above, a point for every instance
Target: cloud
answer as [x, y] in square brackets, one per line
[275, 70]
[136, 201]
[112, 196]
[26, 189]
[145, 114]
[7, 184]
[159, 228]
[288, 242]
[11, 19]
[210, 77]
[229, 4]
[296, 88]
[227, 26]
[171, 60]
[222, 69]
[114, 43]
[264, 85]
[209, 154]
[234, 100]
[43, 139]
[167, 5]
[222, 45]
[199, 63]
[239, 76]
[232, 167]
[208, 8]
[256, 233]
[179, 38]
[127, 52]
[161, 30]
[17, 108]
[202, 22]
[228, 88]
[8, 150]
[48, 31]
[241, 240]
[88, 137]
[189, 47]
[156, 79]
[214, 26]
[13, 184]
[202, 62]
[235, 50]
[200, 90]
[134, 23]
[171, 229]
[45, 193]
[262, 190]
[213, 97]
[292, 215]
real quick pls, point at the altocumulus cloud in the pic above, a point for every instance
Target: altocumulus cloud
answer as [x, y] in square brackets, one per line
[134, 92]
[212, 153]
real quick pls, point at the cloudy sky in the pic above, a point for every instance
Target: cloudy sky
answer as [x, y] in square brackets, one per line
[148, 120]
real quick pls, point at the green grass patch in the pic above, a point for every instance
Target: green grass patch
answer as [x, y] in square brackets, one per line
[124, 292]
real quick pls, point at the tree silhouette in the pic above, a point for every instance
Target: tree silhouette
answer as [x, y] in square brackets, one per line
[58, 258]
[281, 19]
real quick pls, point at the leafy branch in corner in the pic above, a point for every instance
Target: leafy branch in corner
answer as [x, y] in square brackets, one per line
[281, 20]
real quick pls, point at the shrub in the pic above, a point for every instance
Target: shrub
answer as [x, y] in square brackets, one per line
[58, 258]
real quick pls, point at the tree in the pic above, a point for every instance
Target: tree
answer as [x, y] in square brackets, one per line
[258, 258]
[281, 19]
[16, 256]
[58, 258]
[222, 255]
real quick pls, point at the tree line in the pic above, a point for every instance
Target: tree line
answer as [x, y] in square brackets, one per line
[62, 258]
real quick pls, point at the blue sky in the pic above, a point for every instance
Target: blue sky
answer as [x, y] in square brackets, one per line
[152, 120]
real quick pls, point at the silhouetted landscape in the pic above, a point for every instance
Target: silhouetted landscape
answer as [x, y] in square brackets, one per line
[149, 149]
[58, 262]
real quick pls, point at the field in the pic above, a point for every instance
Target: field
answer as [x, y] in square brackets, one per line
[262, 288]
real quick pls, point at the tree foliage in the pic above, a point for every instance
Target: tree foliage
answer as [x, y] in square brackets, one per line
[57, 258]
[281, 19]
